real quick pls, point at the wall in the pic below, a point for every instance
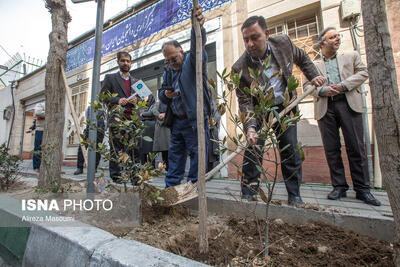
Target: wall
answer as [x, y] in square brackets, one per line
[29, 91]
[5, 101]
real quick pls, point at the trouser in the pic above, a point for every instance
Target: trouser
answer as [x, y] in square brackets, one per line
[99, 139]
[145, 157]
[183, 142]
[340, 115]
[37, 150]
[290, 162]
[164, 155]
[116, 147]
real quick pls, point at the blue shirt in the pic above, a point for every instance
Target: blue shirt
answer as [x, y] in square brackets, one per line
[277, 82]
[333, 73]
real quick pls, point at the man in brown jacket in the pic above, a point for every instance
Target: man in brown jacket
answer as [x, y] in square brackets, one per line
[259, 46]
[338, 104]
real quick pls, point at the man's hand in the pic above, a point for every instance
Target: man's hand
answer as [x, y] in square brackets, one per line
[251, 135]
[318, 81]
[161, 116]
[338, 87]
[199, 15]
[123, 101]
[330, 91]
[133, 100]
[171, 93]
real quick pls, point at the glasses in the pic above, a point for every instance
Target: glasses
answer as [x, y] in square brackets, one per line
[333, 37]
[171, 60]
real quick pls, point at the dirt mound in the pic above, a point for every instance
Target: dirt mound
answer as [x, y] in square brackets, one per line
[169, 195]
[237, 242]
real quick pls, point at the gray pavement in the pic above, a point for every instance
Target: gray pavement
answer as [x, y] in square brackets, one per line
[227, 189]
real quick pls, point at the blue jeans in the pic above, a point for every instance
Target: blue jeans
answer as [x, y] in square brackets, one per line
[183, 143]
[37, 150]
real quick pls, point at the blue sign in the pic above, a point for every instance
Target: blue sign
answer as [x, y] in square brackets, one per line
[153, 19]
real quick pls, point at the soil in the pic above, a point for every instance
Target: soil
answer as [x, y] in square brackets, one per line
[238, 242]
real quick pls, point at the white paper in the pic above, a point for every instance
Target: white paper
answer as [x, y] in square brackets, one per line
[140, 89]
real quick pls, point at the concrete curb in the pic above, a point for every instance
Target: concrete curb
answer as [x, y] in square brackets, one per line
[378, 228]
[79, 244]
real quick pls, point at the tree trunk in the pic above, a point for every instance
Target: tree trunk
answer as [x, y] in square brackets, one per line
[50, 168]
[385, 102]
[201, 177]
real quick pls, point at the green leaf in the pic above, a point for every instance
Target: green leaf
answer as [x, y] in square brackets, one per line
[283, 149]
[259, 168]
[147, 138]
[292, 84]
[302, 155]
[267, 60]
[276, 114]
[235, 163]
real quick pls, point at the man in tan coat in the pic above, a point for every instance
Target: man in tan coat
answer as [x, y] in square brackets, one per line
[338, 104]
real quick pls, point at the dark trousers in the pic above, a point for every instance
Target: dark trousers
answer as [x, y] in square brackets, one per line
[164, 155]
[116, 147]
[183, 143]
[99, 139]
[37, 150]
[290, 163]
[340, 115]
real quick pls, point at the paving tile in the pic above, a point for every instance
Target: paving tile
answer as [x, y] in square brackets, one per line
[315, 194]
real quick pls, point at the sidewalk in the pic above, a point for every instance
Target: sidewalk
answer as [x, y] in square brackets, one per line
[227, 189]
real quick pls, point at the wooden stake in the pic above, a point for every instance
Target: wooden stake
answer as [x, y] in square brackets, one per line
[201, 182]
[74, 116]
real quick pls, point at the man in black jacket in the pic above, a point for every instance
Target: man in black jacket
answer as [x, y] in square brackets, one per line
[120, 83]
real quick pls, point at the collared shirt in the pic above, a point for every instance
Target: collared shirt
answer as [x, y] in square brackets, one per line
[123, 77]
[277, 82]
[333, 73]
[176, 103]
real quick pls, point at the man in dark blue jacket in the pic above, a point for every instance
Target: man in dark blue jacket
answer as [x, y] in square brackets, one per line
[179, 92]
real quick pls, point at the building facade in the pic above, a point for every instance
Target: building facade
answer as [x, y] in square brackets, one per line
[143, 29]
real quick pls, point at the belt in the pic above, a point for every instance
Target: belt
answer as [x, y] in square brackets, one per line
[181, 117]
[337, 97]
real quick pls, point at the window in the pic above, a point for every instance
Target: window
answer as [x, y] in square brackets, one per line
[79, 100]
[303, 31]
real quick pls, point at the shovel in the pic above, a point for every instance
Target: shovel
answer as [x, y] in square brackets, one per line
[187, 191]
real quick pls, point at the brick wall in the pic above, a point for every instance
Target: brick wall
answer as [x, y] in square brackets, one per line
[315, 167]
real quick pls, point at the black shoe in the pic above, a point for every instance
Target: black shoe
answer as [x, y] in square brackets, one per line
[368, 198]
[249, 197]
[295, 201]
[78, 171]
[337, 193]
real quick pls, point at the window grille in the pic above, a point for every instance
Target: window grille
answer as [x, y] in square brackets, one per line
[303, 31]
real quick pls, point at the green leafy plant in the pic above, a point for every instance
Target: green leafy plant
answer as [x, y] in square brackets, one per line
[129, 133]
[9, 168]
[266, 113]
